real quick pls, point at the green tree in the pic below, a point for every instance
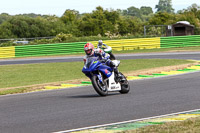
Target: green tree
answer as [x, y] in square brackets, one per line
[99, 21]
[123, 28]
[26, 27]
[71, 20]
[191, 14]
[87, 25]
[112, 16]
[135, 26]
[132, 11]
[165, 6]
[146, 10]
[4, 17]
[146, 13]
[162, 18]
[6, 31]
[70, 16]
[190, 17]
[195, 9]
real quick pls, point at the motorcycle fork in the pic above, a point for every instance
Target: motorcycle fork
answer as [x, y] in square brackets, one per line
[100, 78]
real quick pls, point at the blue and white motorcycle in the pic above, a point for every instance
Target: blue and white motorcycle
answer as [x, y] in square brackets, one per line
[104, 79]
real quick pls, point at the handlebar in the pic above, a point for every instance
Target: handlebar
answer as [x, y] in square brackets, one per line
[103, 60]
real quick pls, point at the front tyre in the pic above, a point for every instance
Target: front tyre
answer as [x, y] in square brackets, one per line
[125, 87]
[100, 88]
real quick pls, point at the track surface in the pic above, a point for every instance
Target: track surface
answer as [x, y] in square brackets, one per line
[66, 109]
[81, 107]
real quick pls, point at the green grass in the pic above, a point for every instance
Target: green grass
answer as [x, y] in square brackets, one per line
[139, 64]
[30, 74]
[187, 126]
[13, 91]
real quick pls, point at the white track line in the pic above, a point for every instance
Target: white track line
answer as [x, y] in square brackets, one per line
[98, 126]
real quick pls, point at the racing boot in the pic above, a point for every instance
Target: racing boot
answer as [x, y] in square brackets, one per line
[118, 76]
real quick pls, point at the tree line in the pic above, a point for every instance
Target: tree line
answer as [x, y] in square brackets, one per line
[100, 22]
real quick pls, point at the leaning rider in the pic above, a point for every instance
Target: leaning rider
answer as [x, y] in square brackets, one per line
[91, 51]
[101, 44]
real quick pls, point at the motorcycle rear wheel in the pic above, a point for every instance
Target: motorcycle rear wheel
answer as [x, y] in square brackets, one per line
[112, 57]
[101, 89]
[125, 87]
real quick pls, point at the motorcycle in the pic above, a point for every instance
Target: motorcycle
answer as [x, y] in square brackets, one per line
[108, 50]
[104, 78]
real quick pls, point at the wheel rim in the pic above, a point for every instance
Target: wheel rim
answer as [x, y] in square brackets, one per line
[101, 86]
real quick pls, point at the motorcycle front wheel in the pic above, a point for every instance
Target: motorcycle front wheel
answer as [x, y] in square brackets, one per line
[99, 87]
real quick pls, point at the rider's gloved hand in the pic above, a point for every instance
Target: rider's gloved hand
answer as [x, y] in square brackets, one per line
[107, 56]
[98, 51]
[103, 60]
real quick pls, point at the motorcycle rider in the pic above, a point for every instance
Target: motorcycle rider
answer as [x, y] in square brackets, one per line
[102, 45]
[91, 51]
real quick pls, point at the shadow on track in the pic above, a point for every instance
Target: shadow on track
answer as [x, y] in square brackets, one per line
[92, 96]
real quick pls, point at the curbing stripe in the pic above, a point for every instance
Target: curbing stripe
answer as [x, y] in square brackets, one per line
[54, 87]
[147, 76]
[133, 77]
[69, 85]
[159, 74]
[138, 123]
[173, 72]
[86, 82]
[74, 85]
[194, 67]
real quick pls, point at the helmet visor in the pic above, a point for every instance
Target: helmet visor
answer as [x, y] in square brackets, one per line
[88, 52]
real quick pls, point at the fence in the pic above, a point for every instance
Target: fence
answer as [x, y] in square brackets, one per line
[118, 45]
[131, 44]
[180, 41]
[25, 39]
[49, 49]
[7, 52]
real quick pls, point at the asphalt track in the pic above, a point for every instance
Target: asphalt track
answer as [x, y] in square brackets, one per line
[71, 108]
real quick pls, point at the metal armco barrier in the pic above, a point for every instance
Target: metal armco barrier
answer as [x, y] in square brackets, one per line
[180, 41]
[131, 44]
[7, 52]
[118, 45]
[49, 49]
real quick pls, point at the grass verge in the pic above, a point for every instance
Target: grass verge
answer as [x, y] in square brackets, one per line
[13, 77]
[187, 126]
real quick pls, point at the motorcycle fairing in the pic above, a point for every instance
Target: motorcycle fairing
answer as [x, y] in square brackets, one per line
[107, 71]
[112, 85]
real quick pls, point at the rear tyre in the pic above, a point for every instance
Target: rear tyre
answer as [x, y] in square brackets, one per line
[125, 87]
[100, 88]
[112, 57]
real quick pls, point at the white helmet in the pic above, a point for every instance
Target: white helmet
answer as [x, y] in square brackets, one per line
[100, 42]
